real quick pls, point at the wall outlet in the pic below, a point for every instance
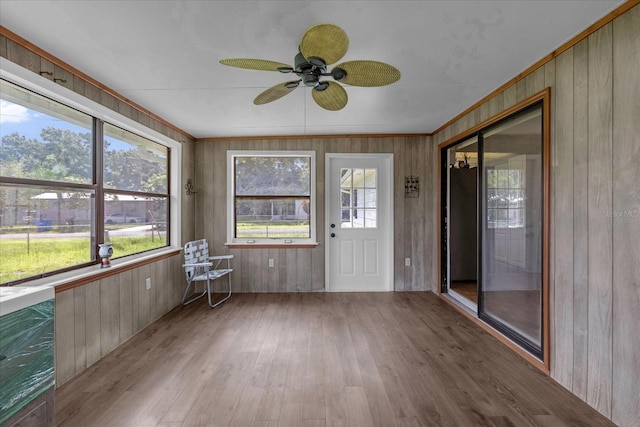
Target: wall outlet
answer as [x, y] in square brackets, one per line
[407, 262]
[148, 283]
[271, 264]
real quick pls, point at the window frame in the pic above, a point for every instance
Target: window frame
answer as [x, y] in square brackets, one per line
[15, 74]
[231, 199]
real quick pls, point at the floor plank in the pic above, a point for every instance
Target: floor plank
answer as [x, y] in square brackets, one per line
[317, 359]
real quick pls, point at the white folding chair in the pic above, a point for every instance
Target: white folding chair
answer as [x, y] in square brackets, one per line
[199, 267]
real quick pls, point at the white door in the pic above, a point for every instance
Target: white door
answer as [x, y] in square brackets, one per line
[359, 214]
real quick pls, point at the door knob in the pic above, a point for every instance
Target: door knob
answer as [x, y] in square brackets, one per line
[333, 226]
[333, 234]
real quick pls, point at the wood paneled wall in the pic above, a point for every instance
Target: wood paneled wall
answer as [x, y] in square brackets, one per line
[595, 212]
[93, 319]
[303, 270]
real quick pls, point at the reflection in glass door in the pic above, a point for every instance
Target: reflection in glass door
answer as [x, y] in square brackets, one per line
[511, 244]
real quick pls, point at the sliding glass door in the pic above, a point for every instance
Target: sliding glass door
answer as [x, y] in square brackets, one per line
[511, 206]
[494, 224]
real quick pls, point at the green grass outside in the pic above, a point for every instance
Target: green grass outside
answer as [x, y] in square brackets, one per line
[19, 259]
[272, 229]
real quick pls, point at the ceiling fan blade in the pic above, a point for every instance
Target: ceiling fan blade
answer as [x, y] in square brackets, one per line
[326, 41]
[276, 92]
[333, 98]
[255, 64]
[368, 73]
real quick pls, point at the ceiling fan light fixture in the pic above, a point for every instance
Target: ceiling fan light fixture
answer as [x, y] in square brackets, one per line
[310, 80]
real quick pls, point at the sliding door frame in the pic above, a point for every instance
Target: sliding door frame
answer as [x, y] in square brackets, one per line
[543, 97]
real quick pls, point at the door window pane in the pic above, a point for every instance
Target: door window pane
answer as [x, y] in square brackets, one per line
[358, 192]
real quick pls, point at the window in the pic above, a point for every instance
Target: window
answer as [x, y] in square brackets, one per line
[58, 178]
[505, 195]
[271, 197]
[135, 191]
[358, 198]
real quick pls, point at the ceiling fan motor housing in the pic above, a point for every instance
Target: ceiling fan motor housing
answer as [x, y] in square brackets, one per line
[309, 70]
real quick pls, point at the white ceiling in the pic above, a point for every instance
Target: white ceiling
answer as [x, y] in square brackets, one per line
[164, 55]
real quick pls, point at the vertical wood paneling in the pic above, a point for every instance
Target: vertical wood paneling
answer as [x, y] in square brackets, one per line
[79, 326]
[291, 273]
[47, 69]
[510, 98]
[496, 104]
[303, 270]
[431, 209]
[399, 214]
[23, 57]
[521, 90]
[162, 289]
[64, 336]
[188, 202]
[109, 314]
[600, 226]
[126, 306]
[93, 319]
[409, 208]
[595, 283]
[580, 218]
[219, 199]
[92, 325]
[417, 279]
[274, 272]
[626, 220]
[145, 313]
[135, 302]
[563, 199]
[3, 46]
[534, 82]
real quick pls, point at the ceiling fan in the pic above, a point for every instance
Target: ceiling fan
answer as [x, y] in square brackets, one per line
[321, 45]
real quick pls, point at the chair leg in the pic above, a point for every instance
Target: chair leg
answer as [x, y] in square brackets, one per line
[186, 292]
[223, 299]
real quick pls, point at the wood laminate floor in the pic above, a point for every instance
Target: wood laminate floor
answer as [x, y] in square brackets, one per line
[317, 359]
[469, 290]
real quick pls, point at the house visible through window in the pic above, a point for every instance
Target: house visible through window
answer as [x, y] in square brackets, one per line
[51, 194]
[271, 197]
